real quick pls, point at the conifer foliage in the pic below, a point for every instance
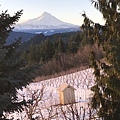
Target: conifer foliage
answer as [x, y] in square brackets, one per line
[12, 75]
[106, 91]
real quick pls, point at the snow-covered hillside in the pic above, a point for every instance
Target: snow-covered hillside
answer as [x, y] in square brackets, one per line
[44, 94]
[45, 21]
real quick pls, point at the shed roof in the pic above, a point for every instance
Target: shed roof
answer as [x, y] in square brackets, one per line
[64, 86]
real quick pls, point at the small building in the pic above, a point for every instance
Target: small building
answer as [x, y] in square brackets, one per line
[66, 94]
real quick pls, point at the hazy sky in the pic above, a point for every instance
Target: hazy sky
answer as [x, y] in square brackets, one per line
[65, 10]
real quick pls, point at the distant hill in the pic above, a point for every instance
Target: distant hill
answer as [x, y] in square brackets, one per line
[15, 35]
[38, 38]
[47, 32]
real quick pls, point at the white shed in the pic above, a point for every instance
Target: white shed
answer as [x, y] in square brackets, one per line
[66, 94]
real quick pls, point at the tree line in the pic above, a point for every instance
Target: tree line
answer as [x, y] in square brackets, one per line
[49, 49]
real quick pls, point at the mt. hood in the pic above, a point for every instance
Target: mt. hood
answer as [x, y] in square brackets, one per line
[45, 21]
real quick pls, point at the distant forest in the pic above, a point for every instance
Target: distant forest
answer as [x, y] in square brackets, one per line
[48, 55]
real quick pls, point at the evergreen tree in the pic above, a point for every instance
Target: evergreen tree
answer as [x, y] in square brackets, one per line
[46, 50]
[49, 49]
[59, 45]
[72, 45]
[32, 54]
[12, 76]
[78, 40]
[106, 97]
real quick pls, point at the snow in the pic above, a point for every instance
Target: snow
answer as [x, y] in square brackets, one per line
[81, 81]
[45, 21]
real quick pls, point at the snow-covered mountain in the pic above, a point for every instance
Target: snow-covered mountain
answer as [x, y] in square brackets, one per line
[45, 21]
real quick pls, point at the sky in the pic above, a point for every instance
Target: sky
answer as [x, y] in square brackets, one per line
[65, 10]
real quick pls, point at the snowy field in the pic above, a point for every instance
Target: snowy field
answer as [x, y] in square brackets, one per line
[43, 98]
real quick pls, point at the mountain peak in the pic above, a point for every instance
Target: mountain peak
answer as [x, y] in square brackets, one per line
[46, 13]
[45, 21]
